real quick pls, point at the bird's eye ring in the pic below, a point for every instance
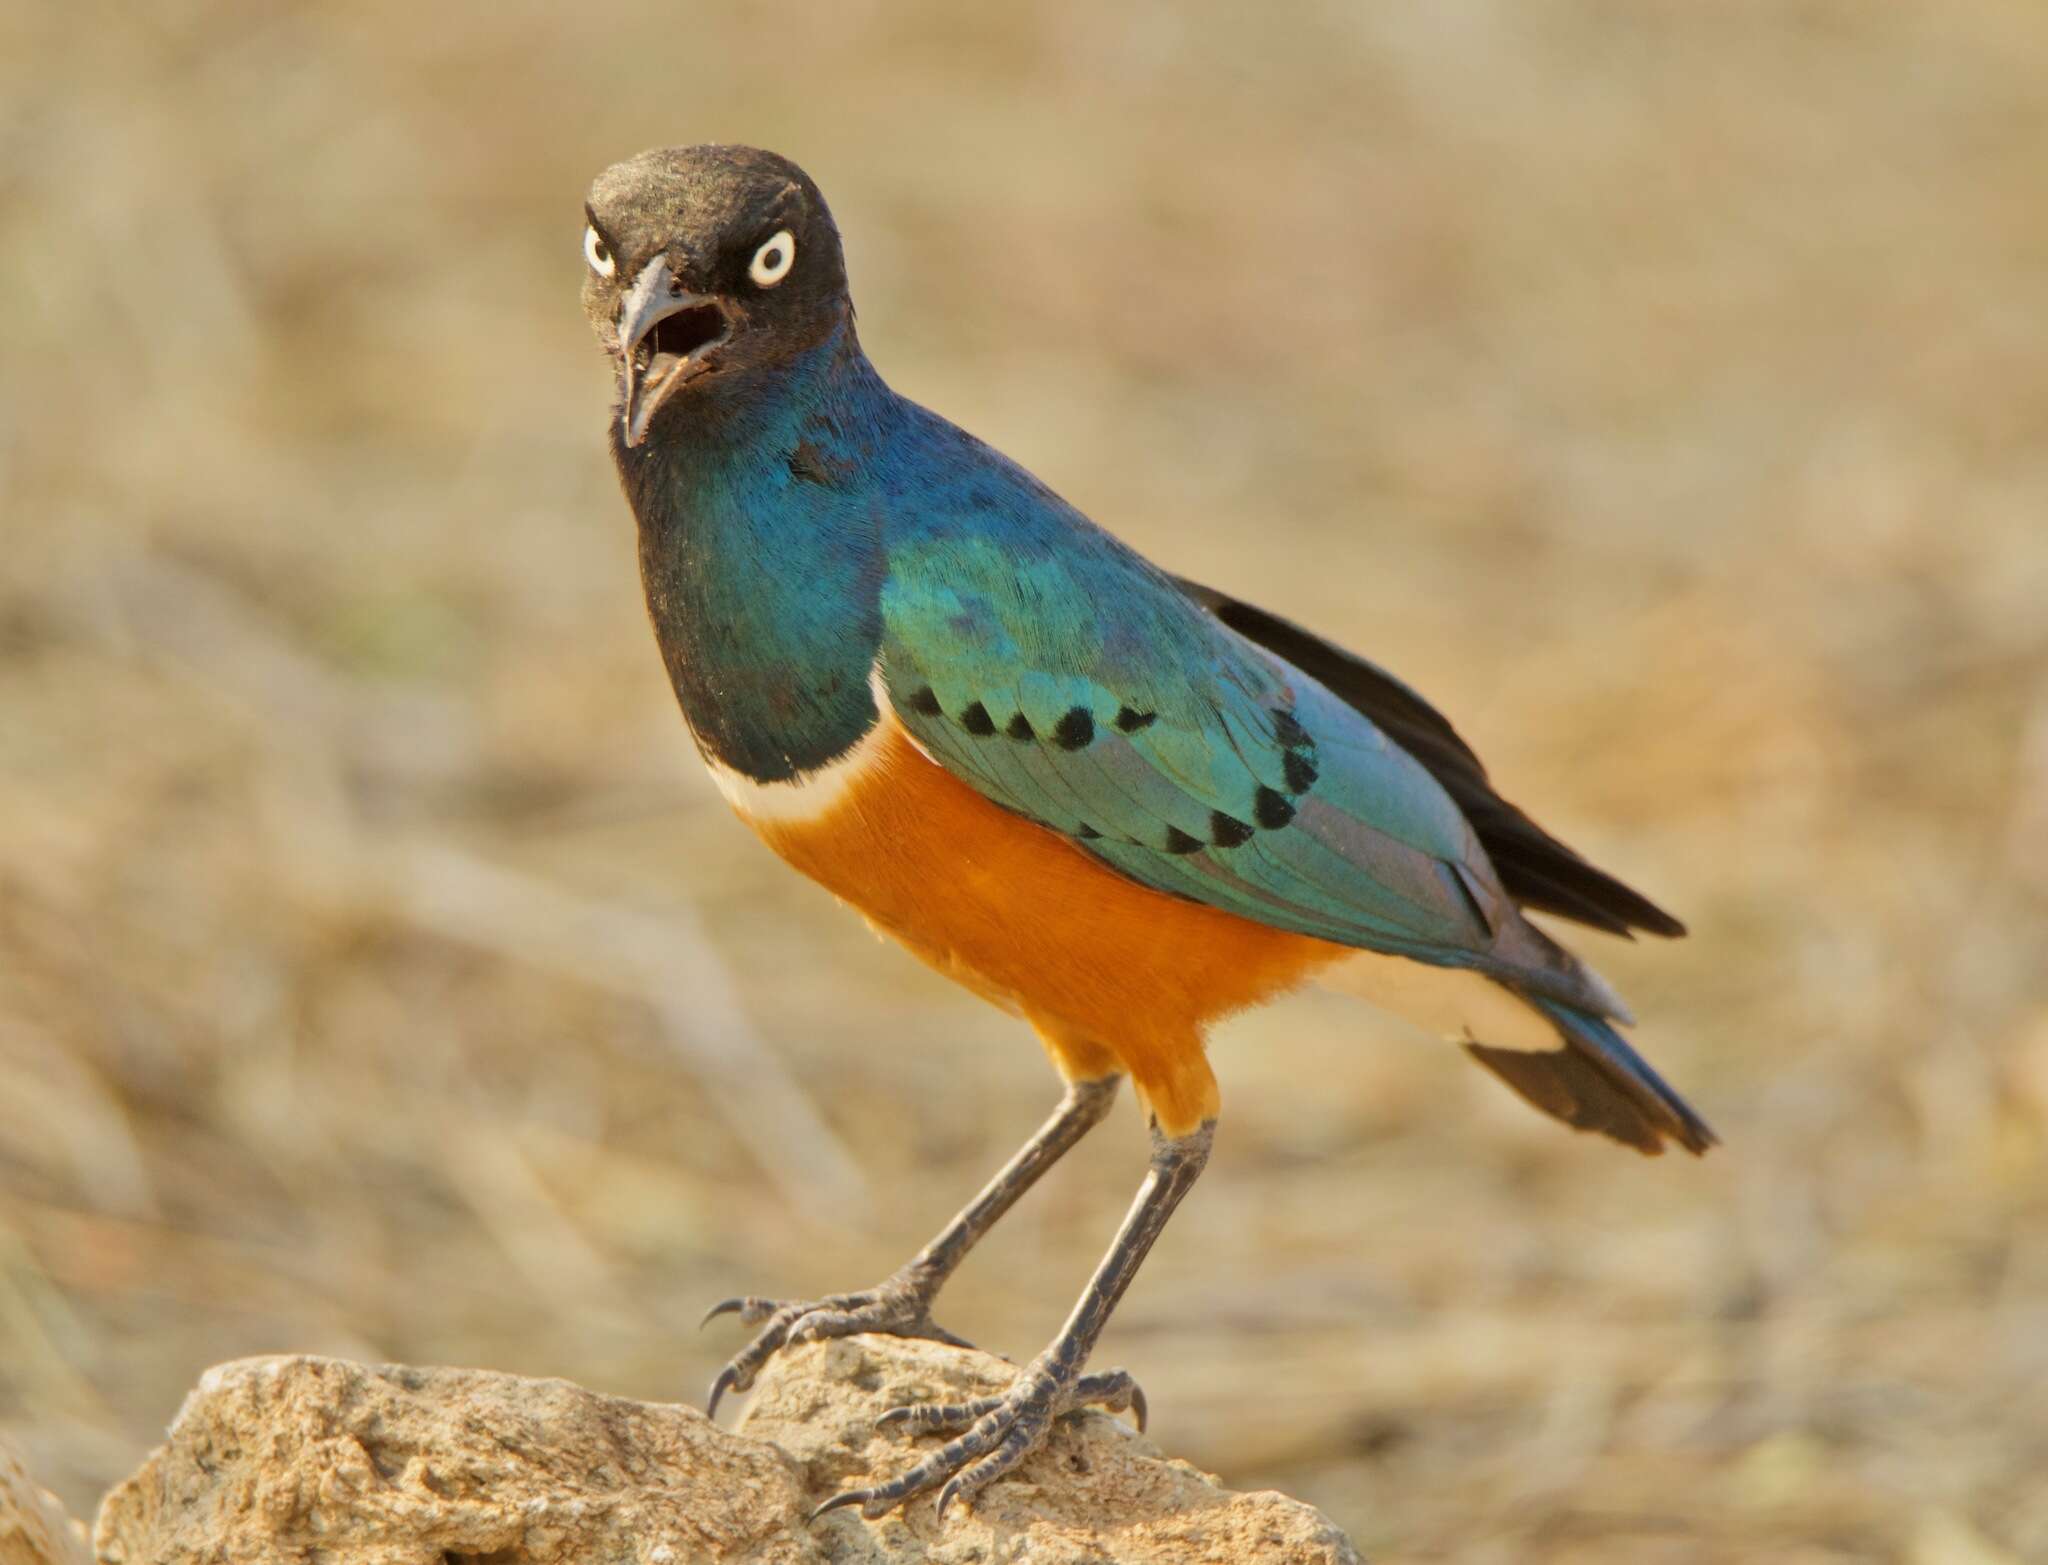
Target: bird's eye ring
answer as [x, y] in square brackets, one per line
[598, 253]
[773, 260]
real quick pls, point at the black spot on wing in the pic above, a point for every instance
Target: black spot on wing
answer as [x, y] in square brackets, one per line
[924, 701]
[1299, 770]
[1075, 729]
[1271, 809]
[1020, 728]
[1178, 841]
[1086, 832]
[1227, 831]
[1288, 730]
[977, 721]
[1129, 720]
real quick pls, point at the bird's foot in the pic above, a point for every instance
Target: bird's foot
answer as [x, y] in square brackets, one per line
[996, 1433]
[900, 1307]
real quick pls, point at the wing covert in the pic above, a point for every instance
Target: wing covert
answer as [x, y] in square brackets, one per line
[1080, 688]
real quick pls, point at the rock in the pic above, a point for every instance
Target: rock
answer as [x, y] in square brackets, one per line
[307, 1459]
[1096, 1491]
[34, 1529]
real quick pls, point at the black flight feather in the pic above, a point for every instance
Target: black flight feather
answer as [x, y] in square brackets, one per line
[1539, 871]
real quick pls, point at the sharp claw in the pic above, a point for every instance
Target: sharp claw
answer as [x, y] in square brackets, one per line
[896, 1415]
[727, 1378]
[1138, 1406]
[730, 1306]
[948, 1495]
[840, 1500]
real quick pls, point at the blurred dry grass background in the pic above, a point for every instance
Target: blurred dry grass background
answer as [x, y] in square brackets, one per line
[1661, 387]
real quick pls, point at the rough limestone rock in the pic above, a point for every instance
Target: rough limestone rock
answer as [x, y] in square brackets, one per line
[33, 1527]
[309, 1460]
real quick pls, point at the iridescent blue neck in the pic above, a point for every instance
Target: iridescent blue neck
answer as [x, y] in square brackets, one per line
[761, 555]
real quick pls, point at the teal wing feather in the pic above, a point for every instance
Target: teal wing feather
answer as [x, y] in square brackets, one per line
[1066, 679]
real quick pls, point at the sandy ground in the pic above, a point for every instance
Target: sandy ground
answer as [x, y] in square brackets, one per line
[1660, 387]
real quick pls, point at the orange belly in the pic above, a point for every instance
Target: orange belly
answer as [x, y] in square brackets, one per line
[1113, 976]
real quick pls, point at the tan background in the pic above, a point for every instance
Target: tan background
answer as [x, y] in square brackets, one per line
[1661, 387]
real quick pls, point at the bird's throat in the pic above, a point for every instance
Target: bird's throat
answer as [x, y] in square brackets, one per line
[761, 558]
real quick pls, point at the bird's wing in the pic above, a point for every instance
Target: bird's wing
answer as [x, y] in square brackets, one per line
[1063, 677]
[1538, 870]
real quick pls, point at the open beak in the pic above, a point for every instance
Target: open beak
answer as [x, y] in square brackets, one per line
[665, 335]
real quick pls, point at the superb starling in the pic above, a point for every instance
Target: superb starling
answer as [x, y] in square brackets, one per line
[1118, 804]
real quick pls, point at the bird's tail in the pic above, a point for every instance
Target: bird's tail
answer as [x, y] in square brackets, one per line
[1595, 1081]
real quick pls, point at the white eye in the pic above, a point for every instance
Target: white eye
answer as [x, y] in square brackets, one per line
[598, 253]
[773, 260]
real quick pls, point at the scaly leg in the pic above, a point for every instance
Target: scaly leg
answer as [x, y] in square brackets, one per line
[901, 1306]
[1001, 1431]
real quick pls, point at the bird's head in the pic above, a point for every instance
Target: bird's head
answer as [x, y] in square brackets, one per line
[706, 266]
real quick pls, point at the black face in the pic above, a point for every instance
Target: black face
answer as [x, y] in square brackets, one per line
[707, 265]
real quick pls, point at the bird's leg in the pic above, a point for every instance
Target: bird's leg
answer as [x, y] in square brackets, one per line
[901, 1306]
[999, 1432]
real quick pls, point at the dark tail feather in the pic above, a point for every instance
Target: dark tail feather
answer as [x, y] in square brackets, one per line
[1595, 1081]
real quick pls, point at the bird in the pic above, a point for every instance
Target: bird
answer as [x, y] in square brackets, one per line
[1116, 803]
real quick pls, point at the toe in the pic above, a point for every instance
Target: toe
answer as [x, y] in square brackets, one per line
[1019, 1443]
[926, 1417]
[739, 1372]
[981, 1436]
[891, 1308]
[938, 1333]
[1111, 1390]
[824, 1322]
[1000, 1432]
